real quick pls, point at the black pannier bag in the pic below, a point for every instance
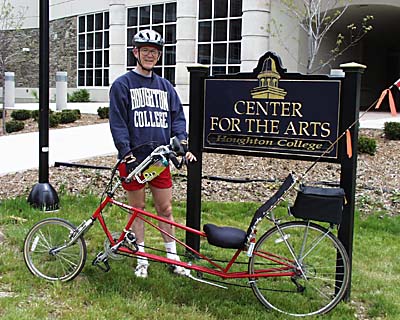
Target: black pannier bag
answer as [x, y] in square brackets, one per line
[319, 204]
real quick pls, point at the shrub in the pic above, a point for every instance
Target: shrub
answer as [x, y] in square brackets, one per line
[76, 111]
[366, 145]
[21, 114]
[35, 114]
[81, 95]
[103, 112]
[392, 130]
[35, 95]
[54, 120]
[14, 126]
[68, 116]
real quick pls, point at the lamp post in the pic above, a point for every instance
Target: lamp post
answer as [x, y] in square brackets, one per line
[43, 195]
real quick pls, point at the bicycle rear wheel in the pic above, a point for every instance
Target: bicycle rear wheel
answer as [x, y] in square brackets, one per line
[49, 234]
[319, 264]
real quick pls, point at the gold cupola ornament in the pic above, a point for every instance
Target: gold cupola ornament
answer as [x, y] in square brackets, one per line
[268, 80]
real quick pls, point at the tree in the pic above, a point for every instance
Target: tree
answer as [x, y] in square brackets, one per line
[316, 18]
[11, 20]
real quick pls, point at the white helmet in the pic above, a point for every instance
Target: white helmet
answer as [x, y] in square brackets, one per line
[148, 37]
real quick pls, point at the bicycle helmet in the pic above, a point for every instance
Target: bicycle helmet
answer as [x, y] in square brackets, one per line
[148, 37]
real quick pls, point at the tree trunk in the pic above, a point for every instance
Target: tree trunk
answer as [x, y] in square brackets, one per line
[4, 104]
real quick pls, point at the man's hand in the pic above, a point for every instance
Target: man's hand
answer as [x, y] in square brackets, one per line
[185, 151]
[181, 149]
[190, 157]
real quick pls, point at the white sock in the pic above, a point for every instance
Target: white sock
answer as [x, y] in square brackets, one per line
[170, 247]
[142, 260]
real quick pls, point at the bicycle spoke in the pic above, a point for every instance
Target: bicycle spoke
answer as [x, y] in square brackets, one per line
[315, 250]
[68, 261]
[42, 260]
[46, 244]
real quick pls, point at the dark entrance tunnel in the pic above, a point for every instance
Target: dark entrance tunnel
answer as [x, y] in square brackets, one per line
[379, 50]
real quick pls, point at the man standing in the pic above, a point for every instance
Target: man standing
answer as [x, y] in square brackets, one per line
[145, 109]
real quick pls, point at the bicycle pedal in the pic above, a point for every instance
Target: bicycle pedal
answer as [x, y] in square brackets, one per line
[133, 247]
[130, 241]
[101, 258]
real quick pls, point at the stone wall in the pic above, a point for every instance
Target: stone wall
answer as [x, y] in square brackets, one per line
[63, 49]
[63, 54]
[25, 65]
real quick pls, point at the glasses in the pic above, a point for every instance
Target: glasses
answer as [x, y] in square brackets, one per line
[152, 52]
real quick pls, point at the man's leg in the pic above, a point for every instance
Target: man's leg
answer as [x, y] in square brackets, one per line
[163, 204]
[137, 199]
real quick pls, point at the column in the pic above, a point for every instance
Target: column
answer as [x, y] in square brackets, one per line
[9, 90]
[255, 37]
[117, 39]
[185, 45]
[61, 90]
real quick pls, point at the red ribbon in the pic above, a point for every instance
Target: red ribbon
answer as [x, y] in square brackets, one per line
[349, 147]
[392, 105]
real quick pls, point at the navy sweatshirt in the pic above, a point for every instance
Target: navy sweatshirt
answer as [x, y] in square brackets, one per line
[143, 110]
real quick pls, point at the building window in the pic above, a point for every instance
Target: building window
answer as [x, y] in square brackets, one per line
[219, 35]
[93, 50]
[161, 18]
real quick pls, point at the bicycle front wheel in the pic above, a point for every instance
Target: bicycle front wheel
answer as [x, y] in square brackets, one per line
[308, 269]
[44, 261]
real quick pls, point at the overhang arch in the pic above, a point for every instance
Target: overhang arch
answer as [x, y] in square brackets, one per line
[379, 50]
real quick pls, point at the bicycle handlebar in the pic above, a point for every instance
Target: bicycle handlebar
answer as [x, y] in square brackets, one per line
[177, 164]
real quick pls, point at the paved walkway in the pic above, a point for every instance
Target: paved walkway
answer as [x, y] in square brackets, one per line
[376, 120]
[21, 151]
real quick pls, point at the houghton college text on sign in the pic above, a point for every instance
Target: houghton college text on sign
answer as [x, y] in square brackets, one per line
[272, 115]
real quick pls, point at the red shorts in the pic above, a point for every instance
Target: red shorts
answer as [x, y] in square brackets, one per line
[162, 181]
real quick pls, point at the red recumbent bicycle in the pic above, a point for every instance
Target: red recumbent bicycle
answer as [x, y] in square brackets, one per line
[298, 267]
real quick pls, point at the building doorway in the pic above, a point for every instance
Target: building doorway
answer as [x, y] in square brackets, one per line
[379, 50]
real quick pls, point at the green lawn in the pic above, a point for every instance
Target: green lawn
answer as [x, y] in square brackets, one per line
[119, 295]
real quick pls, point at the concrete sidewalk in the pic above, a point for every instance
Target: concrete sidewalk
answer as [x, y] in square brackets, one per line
[376, 120]
[21, 151]
[84, 107]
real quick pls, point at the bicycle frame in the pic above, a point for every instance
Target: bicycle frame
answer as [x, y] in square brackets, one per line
[286, 270]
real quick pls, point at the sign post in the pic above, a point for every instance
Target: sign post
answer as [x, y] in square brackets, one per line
[348, 172]
[196, 113]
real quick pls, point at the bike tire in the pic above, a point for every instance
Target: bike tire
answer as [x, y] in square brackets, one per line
[324, 262]
[48, 234]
